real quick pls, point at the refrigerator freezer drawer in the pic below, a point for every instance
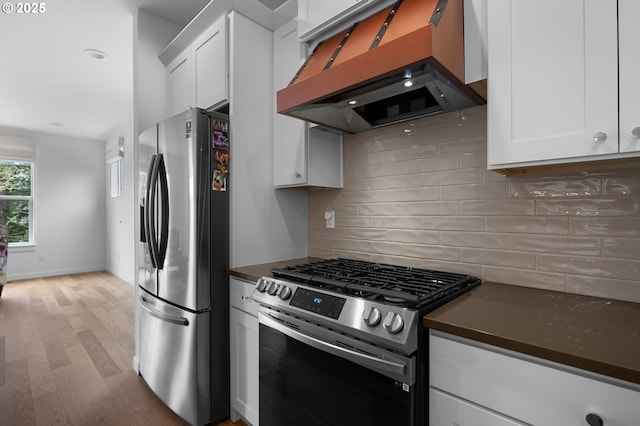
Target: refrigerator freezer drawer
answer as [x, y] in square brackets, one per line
[175, 358]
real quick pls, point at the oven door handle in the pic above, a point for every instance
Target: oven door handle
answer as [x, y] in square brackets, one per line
[388, 368]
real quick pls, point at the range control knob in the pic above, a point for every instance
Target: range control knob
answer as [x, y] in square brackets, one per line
[393, 323]
[284, 292]
[371, 316]
[262, 285]
[273, 288]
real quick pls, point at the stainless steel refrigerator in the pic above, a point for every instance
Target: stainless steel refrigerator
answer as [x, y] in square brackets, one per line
[182, 265]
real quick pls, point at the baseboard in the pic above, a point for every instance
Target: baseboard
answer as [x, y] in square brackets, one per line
[44, 274]
[136, 365]
[126, 278]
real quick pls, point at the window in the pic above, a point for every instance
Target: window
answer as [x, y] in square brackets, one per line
[16, 201]
[116, 178]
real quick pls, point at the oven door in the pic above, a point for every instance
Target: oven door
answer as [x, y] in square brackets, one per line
[310, 375]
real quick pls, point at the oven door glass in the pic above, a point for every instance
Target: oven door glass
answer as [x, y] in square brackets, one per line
[303, 385]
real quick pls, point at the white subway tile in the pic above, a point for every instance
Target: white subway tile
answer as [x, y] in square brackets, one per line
[624, 185]
[432, 252]
[431, 208]
[506, 258]
[589, 207]
[606, 226]
[593, 266]
[453, 223]
[557, 244]
[414, 236]
[556, 188]
[528, 224]
[506, 207]
[480, 191]
[380, 209]
[475, 239]
[628, 290]
[452, 177]
[402, 181]
[623, 248]
[523, 278]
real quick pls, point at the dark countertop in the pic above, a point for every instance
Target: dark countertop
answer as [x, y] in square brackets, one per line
[593, 334]
[254, 272]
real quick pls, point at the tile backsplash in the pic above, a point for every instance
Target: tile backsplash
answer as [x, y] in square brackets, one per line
[419, 194]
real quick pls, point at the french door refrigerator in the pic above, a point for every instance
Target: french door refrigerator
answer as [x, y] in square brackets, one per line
[182, 265]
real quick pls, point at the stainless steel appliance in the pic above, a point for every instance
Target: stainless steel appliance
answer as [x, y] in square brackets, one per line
[341, 342]
[183, 258]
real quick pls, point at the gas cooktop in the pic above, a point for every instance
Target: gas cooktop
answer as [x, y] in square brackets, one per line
[389, 284]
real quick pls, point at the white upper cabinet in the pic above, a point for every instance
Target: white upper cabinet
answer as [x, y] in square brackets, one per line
[302, 157]
[180, 83]
[210, 63]
[475, 40]
[313, 15]
[553, 72]
[198, 75]
[319, 18]
[628, 15]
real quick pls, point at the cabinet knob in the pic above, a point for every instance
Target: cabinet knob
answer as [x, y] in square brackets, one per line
[298, 175]
[594, 420]
[600, 137]
[635, 132]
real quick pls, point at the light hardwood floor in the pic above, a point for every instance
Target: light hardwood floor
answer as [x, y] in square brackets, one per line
[66, 351]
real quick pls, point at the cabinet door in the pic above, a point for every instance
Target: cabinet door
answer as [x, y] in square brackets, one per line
[529, 389]
[244, 365]
[313, 14]
[628, 14]
[180, 84]
[290, 134]
[445, 409]
[553, 80]
[210, 63]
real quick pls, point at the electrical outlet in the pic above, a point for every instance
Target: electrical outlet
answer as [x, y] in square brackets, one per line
[330, 219]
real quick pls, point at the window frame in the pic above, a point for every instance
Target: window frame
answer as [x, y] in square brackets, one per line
[31, 201]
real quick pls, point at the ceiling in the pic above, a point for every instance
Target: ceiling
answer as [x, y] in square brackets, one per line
[48, 84]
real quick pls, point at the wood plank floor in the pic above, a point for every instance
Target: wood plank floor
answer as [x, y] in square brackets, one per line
[66, 351]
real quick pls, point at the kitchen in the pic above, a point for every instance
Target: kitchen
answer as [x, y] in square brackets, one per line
[424, 198]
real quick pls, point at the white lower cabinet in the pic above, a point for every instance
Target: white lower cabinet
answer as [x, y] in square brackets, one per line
[449, 410]
[502, 387]
[243, 323]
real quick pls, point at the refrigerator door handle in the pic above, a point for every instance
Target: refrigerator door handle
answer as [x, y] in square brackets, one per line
[164, 203]
[150, 211]
[161, 316]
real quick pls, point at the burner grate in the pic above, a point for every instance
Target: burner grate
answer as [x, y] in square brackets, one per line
[405, 286]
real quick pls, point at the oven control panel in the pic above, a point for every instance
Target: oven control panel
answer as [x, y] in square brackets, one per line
[379, 322]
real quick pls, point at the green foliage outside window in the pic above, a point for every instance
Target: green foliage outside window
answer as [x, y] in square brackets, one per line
[15, 199]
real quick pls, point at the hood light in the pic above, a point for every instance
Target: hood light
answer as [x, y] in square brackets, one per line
[408, 83]
[352, 102]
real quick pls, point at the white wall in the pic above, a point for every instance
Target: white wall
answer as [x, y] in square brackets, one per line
[69, 208]
[120, 213]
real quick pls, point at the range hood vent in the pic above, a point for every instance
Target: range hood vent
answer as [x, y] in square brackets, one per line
[402, 63]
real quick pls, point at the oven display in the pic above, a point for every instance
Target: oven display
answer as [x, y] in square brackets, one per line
[319, 303]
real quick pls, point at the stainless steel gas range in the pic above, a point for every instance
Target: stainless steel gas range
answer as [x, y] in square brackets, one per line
[341, 342]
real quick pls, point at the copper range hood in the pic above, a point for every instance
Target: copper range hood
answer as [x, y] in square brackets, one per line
[402, 63]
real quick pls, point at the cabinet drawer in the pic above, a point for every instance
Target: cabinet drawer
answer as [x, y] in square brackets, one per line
[446, 410]
[240, 296]
[529, 389]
